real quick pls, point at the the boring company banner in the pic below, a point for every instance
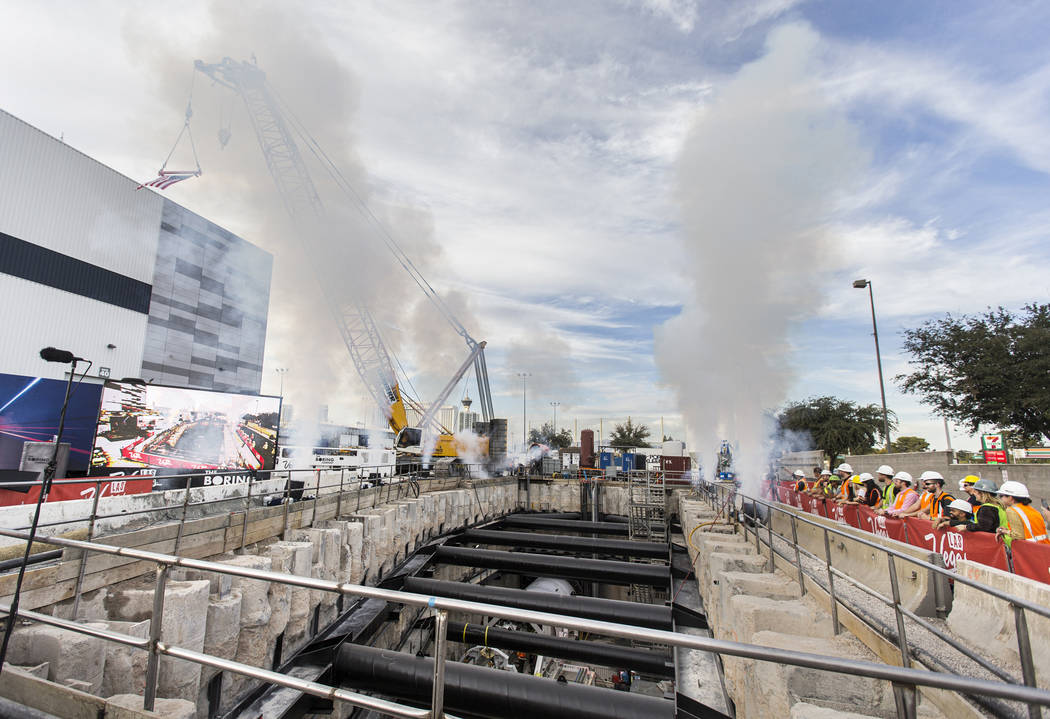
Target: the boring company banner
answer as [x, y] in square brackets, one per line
[171, 431]
[29, 412]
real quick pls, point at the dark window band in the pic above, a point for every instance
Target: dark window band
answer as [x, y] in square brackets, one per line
[47, 267]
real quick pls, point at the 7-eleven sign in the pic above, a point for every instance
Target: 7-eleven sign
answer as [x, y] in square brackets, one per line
[994, 448]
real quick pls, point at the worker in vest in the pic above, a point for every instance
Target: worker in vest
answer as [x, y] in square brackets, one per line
[884, 476]
[845, 491]
[959, 515]
[989, 515]
[817, 488]
[865, 491]
[905, 496]
[800, 480]
[1023, 521]
[934, 500]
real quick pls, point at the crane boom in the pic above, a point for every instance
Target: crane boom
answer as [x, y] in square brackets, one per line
[356, 325]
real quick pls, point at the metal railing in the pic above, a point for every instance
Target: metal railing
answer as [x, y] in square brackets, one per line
[899, 676]
[720, 493]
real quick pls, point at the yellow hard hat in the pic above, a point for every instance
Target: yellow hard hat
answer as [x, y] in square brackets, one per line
[971, 479]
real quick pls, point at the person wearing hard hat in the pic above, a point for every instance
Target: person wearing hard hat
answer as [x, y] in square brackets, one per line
[934, 499]
[1023, 521]
[817, 490]
[966, 485]
[845, 493]
[905, 496]
[989, 515]
[959, 515]
[800, 480]
[865, 491]
[884, 476]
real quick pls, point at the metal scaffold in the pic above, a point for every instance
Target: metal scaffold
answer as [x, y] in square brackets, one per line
[647, 519]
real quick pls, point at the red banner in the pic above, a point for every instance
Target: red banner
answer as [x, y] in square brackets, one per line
[983, 547]
[78, 490]
[881, 525]
[844, 513]
[1032, 560]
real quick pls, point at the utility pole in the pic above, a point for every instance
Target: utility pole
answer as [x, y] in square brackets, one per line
[524, 424]
[280, 373]
[861, 284]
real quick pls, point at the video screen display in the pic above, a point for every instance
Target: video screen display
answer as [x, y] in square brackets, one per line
[172, 428]
[29, 412]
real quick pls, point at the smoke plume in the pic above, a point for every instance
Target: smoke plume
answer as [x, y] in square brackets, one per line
[756, 184]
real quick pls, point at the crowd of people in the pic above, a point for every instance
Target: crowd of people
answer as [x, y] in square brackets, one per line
[981, 506]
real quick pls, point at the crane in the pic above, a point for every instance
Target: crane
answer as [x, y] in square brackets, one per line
[276, 128]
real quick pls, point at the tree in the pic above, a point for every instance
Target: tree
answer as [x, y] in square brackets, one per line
[987, 369]
[629, 434]
[835, 425]
[909, 444]
[546, 435]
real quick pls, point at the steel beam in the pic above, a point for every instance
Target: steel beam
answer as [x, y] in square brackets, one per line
[535, 565]
[565, 543]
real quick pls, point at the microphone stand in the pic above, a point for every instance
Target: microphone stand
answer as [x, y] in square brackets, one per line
[45, 488]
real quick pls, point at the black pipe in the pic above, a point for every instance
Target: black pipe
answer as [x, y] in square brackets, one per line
[536, 565]
[33, 559]
[607, 610]
[481, 692]
[567, 543]
[566, 524]
[645, 661]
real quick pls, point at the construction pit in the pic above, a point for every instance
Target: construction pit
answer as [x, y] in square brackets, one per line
[538, 595]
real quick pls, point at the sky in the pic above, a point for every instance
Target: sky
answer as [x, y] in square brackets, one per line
[655, 208]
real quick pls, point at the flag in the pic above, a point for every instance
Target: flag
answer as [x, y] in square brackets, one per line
[166, 179]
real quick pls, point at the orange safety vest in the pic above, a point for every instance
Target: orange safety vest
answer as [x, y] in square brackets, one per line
[1034, 526]
[936, 510]
[924, 502]
[844, 489]
[899, 501]
[800, 486]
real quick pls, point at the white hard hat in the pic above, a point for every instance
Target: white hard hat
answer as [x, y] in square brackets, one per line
[799, 473]
[930, 474]
[844, 468]
[904, 477]
[962, 505]
[865, 476]
[885, 469]
[825, 472]
[1014, 489]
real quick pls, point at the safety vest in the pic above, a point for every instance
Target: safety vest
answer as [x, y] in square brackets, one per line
[800, 486]
[888, 493]
[844, 490]
[924, 502]
[899, 501]
[936, 508]
[1034, 526]
[1003, 522]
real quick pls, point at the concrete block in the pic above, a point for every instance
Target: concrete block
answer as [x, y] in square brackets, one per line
[767, 689]
[803, 710]
[129, 706]
[69, 655]
[92, 606]
[988, 623]
[223, 626]
[47, 697]
[37, 670]
[255, 602]
[743, 616]
[125, 669]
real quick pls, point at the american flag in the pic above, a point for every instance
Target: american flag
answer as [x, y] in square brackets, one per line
[166, 179]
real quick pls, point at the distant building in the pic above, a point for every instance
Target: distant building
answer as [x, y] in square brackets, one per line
[447, 417]
[125, 278]
[466, 420]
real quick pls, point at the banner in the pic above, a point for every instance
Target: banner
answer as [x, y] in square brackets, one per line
[881, 525]
[78, 490]
[845, 514]
[953, 545]
[1032, 560]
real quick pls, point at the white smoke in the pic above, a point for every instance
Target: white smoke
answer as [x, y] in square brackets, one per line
[757, 182]
[471, 448]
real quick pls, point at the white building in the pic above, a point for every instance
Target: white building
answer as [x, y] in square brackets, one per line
[123, 277]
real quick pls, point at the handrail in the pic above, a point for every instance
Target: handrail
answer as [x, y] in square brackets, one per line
[896, 675]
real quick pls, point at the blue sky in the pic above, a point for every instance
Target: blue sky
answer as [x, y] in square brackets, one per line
[541, 160]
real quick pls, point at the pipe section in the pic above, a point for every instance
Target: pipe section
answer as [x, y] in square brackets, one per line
[480, 692]
[536, 565]
[606, 610]
[566, 524]
[566, 543]
[645, 661]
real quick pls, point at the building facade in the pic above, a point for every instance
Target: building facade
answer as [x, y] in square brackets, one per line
[125, 278]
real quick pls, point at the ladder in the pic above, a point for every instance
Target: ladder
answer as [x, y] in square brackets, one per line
[647, 519]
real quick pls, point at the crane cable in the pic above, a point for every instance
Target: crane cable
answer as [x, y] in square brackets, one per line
[187, 131]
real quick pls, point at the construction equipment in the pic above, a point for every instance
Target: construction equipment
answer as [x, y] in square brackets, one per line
[276, 128]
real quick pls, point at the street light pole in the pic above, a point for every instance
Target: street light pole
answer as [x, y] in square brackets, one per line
[524, 424]
[555, 406]
[861, 284]
[280, 373]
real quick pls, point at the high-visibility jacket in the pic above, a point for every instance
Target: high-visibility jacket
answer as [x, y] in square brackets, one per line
[898, 503]
[888, 494]
[844, 490]
[800, 485]
[1034, 526]
[925, 500]
[1003, 521]
[937, 505]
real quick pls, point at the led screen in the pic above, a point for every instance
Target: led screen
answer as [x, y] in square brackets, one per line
[171, 428]
[29, 412]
